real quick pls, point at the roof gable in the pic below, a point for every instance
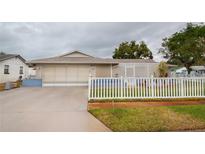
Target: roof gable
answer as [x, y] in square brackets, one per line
[75, 54]
[9, 56]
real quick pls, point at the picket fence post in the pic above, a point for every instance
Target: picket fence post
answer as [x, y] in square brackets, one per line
[121, 86]
[152, 87]
[152, 84]
[182, 87]
[89, 85]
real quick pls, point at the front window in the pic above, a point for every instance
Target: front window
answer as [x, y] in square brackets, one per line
[21, 70]
[6, 69]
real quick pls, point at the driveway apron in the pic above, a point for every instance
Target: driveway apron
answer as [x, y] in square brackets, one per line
[47, 109]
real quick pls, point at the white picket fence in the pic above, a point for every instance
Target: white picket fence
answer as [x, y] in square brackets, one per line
[136, 88]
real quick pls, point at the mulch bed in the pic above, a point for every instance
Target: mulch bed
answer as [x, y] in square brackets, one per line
[107, 105]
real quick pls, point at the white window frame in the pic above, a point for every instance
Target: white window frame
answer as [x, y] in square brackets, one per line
[21, 70]
[6, 72]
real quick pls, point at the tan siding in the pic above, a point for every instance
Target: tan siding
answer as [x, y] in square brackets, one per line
[103, 70]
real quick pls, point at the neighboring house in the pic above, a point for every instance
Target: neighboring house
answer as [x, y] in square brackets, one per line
[74, 68]
[197, 71]
[12, 66]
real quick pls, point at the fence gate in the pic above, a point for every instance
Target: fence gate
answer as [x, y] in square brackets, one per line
[136, 88]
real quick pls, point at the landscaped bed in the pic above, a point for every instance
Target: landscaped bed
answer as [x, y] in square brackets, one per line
[161, 118]
[133, 103]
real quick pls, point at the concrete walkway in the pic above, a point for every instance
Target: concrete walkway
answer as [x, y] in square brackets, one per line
[47, 109]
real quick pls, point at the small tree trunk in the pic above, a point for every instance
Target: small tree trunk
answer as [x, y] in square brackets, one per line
[188, 67]
[188, 70]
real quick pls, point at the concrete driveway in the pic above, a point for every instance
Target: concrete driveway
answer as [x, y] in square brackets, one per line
[47, 109]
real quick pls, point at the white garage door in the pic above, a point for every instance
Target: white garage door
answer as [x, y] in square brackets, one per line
[63, 75]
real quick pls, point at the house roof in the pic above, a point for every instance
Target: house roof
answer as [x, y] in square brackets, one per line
[75, 52]
[86, 59]
[9, 56]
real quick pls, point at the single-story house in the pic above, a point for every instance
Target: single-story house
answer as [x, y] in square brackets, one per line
[12, 66]
[75, 68]
[197, 71]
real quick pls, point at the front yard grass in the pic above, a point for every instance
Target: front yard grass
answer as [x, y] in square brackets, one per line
[196, 111]
[163, 118]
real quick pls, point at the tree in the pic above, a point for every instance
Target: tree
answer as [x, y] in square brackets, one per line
[186, 47]
[132, 50]
[163, 69]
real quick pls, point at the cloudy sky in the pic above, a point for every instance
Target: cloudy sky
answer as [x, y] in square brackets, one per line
[39, 40]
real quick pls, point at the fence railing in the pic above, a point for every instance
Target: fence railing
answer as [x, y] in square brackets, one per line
[134, 88]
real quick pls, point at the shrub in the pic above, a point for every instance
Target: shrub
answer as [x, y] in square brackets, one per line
[163, 69]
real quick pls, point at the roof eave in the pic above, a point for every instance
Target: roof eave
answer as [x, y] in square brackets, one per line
[46, 62]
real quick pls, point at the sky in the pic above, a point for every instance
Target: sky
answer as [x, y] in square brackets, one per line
[41, 40]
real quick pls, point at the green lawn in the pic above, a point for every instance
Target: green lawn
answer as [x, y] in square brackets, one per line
[196, 111]
[172, 118]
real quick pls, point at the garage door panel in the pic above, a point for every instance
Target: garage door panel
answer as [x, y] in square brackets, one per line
[60, 74]
[66, 74]
[83, 73]
[49, 74]
[72, 73]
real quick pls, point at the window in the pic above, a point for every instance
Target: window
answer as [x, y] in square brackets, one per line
[21, 70]
[6, 69]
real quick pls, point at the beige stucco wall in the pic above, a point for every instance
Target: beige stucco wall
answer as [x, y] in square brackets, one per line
[14, 67]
